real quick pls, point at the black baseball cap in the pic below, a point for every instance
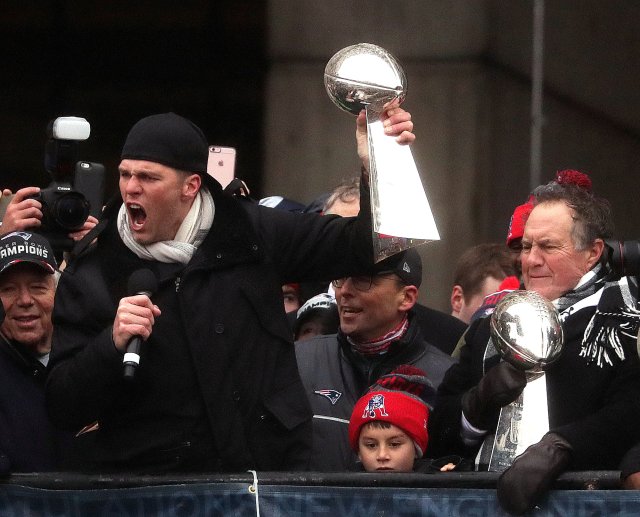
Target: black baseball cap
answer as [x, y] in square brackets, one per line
[407, 265]
[23, 246]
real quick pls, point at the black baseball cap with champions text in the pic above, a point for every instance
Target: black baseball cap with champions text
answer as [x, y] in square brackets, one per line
[23, 246]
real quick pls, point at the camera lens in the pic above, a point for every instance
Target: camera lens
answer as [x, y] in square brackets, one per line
[70, 211]
[630, 257]
[624, 257]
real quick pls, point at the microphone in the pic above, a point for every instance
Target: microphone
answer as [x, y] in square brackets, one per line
[142, 281]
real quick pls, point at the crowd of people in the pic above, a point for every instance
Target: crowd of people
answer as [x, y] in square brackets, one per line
[375, 380]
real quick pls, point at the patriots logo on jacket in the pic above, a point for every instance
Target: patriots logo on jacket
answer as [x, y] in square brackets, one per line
[332, 395]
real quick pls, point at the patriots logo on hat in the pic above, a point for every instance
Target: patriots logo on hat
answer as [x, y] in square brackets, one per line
[405, 267]
[510, 227]
[376, 403]
[19, 247]
[332, 395]
[25, 236]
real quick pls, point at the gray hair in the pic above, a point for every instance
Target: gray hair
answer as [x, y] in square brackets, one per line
[592, 215]
[347, 192]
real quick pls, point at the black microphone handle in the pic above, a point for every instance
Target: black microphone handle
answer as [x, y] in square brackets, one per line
[132, 357]
[143, 282]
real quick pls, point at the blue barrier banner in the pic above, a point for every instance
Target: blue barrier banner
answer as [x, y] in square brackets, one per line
[174, 500]
[237, 499]
[435, 502]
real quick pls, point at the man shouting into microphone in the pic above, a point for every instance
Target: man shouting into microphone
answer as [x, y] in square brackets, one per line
[217, 387]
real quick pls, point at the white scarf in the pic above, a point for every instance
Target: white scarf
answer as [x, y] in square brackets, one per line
[192, 231]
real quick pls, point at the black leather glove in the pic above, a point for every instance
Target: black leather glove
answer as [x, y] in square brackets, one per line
[499, 386]
[525, 482]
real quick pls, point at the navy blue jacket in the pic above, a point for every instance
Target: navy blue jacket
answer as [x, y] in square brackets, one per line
[28, 440]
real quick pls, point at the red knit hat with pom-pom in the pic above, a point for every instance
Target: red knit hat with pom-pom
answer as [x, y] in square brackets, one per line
[395, 398]
[518, 219]
[573, 177]
[509, 283]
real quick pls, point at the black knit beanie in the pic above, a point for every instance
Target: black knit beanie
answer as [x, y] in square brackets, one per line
[168, 139]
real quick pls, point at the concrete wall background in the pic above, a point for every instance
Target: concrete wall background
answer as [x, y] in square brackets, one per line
[250, 74]
[468, 66]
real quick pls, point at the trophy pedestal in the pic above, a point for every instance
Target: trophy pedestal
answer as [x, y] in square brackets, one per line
[400, 212]
[521, 424]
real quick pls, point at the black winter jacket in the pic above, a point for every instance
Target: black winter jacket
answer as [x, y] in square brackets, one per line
[596, 409]
[217, 387]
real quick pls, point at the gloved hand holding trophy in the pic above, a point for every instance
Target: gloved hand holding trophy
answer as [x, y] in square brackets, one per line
[365, 76]
[526, 331]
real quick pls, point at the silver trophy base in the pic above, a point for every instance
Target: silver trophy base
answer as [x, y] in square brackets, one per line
[401, 216]
[521, 424]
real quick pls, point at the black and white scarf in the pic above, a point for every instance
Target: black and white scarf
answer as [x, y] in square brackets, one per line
[617, 314]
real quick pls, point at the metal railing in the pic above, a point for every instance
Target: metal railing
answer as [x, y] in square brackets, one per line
[583, 480]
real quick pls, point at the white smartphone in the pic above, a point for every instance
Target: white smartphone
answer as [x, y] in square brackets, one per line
[221, 164]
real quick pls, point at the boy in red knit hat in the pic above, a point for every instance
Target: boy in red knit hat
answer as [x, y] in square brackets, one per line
[388, 426]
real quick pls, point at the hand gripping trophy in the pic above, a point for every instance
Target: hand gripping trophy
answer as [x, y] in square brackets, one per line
[526, 331]
[365, 76]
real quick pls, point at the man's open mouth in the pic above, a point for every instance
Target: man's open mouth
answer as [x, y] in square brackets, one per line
[137, 216]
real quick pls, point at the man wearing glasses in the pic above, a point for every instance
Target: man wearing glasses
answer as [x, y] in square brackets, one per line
[378, 331]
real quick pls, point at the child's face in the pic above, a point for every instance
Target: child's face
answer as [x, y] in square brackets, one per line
[385, 449]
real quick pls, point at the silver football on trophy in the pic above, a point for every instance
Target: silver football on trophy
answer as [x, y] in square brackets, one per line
[363, 75]
[526, 330]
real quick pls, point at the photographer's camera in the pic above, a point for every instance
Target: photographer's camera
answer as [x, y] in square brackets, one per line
[63, 209]
[623, 257]
[76, 190]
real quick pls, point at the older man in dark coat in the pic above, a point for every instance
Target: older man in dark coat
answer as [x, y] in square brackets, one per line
[28, 440]
[593, 390]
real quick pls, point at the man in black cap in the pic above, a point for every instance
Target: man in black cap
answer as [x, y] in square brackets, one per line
[28, 441]
[379, 330]
[217, 386]
[438, 328]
